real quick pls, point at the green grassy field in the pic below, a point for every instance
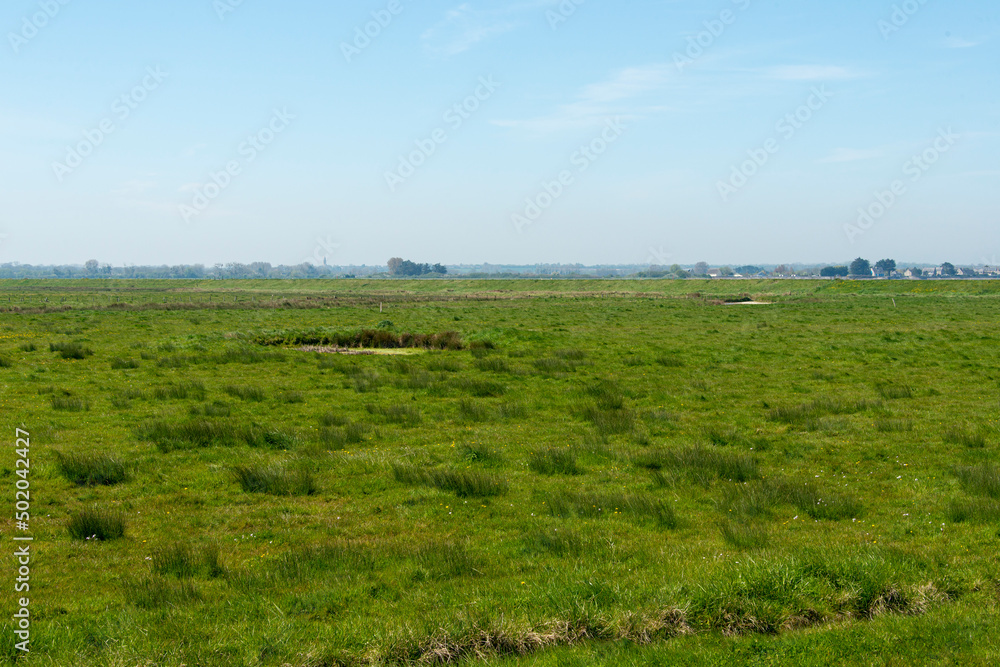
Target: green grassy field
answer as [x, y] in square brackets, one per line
[605, 472]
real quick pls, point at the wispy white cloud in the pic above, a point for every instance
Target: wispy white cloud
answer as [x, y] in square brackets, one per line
[462, 28]
[953, 42]
[465, 26]
[853, 155]
[595, 102]
[812, 73]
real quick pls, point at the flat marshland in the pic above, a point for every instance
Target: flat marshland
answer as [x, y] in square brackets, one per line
[556, 473]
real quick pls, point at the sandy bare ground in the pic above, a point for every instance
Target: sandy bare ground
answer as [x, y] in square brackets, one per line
[750, 303]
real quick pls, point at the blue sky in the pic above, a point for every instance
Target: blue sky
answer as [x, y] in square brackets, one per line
[648, 131]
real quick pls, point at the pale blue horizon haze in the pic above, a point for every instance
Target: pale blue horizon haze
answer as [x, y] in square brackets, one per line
[819, 107]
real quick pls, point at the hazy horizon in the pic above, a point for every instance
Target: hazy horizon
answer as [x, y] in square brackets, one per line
[501, 132]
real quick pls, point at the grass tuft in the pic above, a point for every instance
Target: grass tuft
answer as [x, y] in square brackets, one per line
[554, 462]
[464, 483]
[171, 436]
[593, 505]
[181, 391]
[396, 413]
[821, 408]
[745, 536]
[981, 480]
[93, 469]
[96, 524]
[701, 463]
[70, 404]
[275, 480]
[184, 561]
[245, 392]
[71, 350]
[966, 437]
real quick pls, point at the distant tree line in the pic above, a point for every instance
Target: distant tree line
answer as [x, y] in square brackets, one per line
[232, 271]
[404, 267]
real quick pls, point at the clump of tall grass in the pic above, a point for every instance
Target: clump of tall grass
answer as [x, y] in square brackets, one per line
[571, 354]
[965, 436]
[93, 468]
[472, 411]
[669, 361]
[894, 425]
[982, 480]
[5, 362]
[554, 461]
[552, 365]
[595, 505]
[733, 437]
[158, 592]
[609, 421]
[170, 436]
[292, 397]
[71, 350]
[182, 560]
[120, 364]
[443, 364]
[759, 499]
[366, 338]
[974, 510]
[820, 408]
[213, 409]
[181, 391]
[27, 347]
[96, 524]
[245, 392]
[493, 365]
[396, 413]
[70, 404]
[276, 480]
[895, 391]
[177, 361]
[701, 463]
[363, 380]
[464, 483]
[512, 410]
[445, 560]
[744, 535]
[339, 437]
[557, 541]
